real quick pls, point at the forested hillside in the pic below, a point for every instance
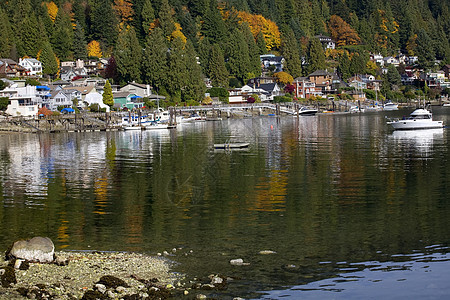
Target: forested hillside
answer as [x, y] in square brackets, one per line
[158, 41]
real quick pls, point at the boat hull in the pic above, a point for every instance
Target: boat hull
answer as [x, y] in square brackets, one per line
[415, 124]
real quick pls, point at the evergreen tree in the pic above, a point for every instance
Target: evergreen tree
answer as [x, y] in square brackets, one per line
[289, 50]
[6, 36]
[358, 63]
[204, 52]
[79, 43]
[213, 26]
[166, 19]
[194, 86]
[218, 72]
[344, 66]
[424, 49]
[28, 42]
[147, 16]
[261, 44]
[254, 60]
[48, 59]
[189, 27]
[104, 23]
[79, 15]
[198, 7]
[128, 56]
[62, 38]
[237, 55]
[108, 97]
[154, 64]
[316, 56]
[177, 78]
[305, 17]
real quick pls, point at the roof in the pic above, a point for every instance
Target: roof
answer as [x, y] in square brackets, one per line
[140, 85]
[320, 73]
[268, 87]
[120, 94]
[82, 89]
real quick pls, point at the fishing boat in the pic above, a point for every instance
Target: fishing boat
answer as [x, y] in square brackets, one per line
[420, 118]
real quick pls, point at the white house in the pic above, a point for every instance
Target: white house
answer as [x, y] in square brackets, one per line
[61, 98]
[326, 41]
[22, 101]
[96, 98]
[32, 65]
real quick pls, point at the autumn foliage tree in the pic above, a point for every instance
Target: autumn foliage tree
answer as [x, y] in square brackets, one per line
[52, 10]
[94, 49]
[283, 78]
[342, 32]
[124, 10]
[257, 24]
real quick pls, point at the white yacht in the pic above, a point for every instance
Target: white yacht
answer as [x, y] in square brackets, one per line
[421, 118]
[307, 111]
[390, 106]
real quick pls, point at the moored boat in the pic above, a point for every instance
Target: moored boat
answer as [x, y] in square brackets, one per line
[390, 106]
[420, 118]
[307, 111]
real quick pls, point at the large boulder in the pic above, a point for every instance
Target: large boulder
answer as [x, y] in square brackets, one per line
[37, 249]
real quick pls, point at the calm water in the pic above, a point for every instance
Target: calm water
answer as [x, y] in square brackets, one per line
[351, 209]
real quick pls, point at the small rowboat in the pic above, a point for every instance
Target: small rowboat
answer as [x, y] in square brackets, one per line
[228, 146]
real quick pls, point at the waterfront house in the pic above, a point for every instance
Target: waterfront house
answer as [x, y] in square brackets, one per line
[126, 100]
[62, 98]
[95, 98]
[67, 73]
[304, 88]
[33, 66]
[83, 90]
[9, 68]
[322, 80]
[142, 90]
[22, 101]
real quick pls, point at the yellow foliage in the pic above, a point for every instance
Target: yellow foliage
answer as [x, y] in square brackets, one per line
[258, 24]
[283, 78]
[94, 49]
[52, 10]
[178, 34]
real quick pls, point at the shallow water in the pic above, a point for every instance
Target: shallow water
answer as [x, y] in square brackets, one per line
[347, 205]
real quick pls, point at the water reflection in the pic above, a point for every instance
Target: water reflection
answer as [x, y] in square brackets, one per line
[421, 140]
[418, 276]
[328, 188]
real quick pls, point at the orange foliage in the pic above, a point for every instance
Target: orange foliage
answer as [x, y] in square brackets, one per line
[342, 32]
[52, 10]
[124, 10]
[94, 49]
[258, 24]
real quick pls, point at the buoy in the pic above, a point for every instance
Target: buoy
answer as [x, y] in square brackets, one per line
[271, 127]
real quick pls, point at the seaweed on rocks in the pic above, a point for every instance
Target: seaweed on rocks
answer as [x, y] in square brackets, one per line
[8, 277]
[112, 282]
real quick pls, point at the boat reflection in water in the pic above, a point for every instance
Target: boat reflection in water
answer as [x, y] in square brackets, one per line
[422, 139]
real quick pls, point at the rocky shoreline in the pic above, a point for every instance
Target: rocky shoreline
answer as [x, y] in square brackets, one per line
[92, 275]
